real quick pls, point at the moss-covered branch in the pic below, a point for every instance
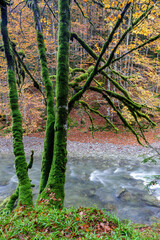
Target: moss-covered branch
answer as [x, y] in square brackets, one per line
[98, 113]
[11, 201]
[133, 108]
[125, 78]
[77, 96]
[76, 70]
[90, 117]
[81, 77]
[126, 101]
[84, 45]
[116, 84]
[30, 164]
[35, 83]
[123, 119]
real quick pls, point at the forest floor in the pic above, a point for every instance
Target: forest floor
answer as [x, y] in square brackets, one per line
[45, 222]
[123, 136]
[79, 123]
[79, 131]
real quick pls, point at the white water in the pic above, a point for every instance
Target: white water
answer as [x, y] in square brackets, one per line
[147, 177]
[105, 175]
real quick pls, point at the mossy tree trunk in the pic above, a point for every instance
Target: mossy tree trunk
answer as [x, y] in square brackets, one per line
[25, 191]
[47, 155]
[56, 180]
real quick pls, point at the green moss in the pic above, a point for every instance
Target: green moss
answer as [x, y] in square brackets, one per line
[81, 77]
[56, 178]
[85, 105]
[21, 53]
[95, 105]
[25, 192]
[84, 45]
[11, 201]
[72, 122]
[47, 154]
[76, 70]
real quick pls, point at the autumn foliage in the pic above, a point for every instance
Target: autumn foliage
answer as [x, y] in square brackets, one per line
[92, 21]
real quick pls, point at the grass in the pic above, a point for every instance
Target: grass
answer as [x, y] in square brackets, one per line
[70, 223]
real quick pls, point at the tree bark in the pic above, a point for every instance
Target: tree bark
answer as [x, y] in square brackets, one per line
[25, 192]
[47, 155]
[56, 180]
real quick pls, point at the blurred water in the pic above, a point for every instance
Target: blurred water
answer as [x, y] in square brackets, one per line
[120, 190]
[113, 179]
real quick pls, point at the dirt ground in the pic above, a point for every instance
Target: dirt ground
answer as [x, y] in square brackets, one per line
[78, 131]
[122, 137]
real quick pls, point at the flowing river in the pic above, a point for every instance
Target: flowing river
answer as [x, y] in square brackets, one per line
[106, 176]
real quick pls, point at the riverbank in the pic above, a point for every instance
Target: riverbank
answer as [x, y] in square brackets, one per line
[95, 164]
[82, 144]
[80, 223]
[122, 137]
[91, 168]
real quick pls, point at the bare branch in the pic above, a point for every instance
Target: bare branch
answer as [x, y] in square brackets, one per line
[140, 46]
[17, 6]
[111, 56]
[54, 15]
[78, 5]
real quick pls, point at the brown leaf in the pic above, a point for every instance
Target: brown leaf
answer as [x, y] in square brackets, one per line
[62, 232]
[81, 213]
[107, 228]
[102, 225]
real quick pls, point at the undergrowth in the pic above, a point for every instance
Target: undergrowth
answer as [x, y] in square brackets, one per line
[82, 223]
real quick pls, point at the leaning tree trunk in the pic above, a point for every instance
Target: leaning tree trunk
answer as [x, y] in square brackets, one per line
[25, 191]
[56, 180]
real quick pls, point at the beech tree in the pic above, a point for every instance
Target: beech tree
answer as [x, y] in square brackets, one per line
[54, 157]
